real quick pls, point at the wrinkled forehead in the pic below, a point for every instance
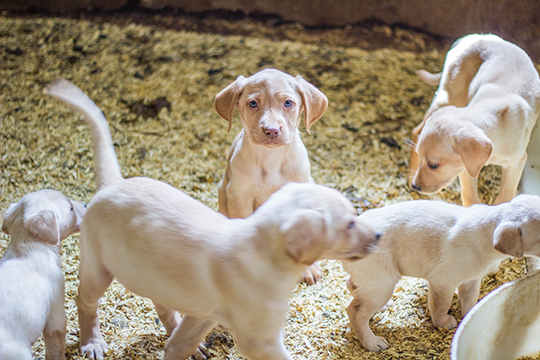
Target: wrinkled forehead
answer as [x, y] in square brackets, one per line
[44, 198]
[264, 84]
[434, 139]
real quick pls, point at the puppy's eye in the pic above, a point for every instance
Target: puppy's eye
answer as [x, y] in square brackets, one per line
[432, 166]
[288, 103]
[253, 104]
[351, 225]
[71, 208]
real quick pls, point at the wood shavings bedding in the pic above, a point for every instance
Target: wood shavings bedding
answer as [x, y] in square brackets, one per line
[359, 147]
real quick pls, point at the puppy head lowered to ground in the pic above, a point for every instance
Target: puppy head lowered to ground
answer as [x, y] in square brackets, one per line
[446, 148]
[319, 223]
[45, 215]
[270, 103]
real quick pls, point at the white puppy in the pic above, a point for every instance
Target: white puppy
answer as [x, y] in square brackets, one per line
[483, 112]
[31, 279]
[268, 152]
[165, 245]
[448, 245]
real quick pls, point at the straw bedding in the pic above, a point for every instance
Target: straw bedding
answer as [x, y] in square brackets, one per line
[156, 87]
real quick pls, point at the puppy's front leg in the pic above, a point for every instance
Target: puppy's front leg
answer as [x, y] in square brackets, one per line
[510, 180]
[468, 295]
[54, 334]
[469, 189]
[440, 300]
[240, 206]
[169, 318]
[360, 311]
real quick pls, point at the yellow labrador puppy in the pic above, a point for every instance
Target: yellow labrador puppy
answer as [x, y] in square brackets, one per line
[165, 245]
[483, 112]
[268, 152]
[31, 279]
[448, 245]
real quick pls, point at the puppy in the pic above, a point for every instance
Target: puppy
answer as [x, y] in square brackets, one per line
[31, 279]
[448, 245]
[268, 152]
[165, 245]
[483, 112]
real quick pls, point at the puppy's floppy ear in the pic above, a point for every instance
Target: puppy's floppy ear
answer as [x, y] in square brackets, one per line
[315, 102]
[474, 147]
[9, 217]
[507, 239]
[225, 101]
[304, 236]
[44, 226]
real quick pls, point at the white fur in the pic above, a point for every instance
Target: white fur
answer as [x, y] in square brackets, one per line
[163, 244]
[260, 161]
[448, 245]
[31, 279]
[483, 112]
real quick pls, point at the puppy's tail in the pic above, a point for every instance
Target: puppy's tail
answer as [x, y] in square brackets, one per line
[429, 78]
[105, 160]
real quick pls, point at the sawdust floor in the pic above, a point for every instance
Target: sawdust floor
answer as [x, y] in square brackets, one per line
[156, 86]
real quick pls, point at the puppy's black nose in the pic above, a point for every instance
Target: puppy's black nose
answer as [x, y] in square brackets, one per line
[378, 236]
[272, 132]
[416, 187]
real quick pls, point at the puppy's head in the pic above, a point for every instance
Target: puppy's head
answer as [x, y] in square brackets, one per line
[45, 215]
[447, 147]
[270, 103]
[518, 233]
[320, 223]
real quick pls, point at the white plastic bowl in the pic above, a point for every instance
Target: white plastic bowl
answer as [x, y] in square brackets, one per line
[504, 325]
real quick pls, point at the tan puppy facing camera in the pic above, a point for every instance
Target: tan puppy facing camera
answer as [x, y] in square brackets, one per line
[448, 245]
[268, 152]
[165, 245]
[483, 112]
[31, 278]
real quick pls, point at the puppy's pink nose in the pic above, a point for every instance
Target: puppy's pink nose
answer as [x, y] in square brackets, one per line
[272, 132]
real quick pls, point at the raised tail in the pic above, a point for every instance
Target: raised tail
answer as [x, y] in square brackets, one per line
[105, 160]
[429, 78]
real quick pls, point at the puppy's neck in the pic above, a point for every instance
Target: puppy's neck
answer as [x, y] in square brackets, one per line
[22, 242]
[26, 247]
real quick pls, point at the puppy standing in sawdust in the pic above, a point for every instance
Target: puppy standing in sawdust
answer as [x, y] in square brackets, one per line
[448, 245]
[268, 152]
[163, 244]
[31, 277]
[483, 112]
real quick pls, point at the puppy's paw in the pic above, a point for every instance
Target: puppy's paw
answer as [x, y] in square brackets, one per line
[94, 350]
[201, 353]
[376, 343]
[447, 321]
[312, 274]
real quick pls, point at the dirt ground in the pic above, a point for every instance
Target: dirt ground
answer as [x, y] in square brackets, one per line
[155, 78]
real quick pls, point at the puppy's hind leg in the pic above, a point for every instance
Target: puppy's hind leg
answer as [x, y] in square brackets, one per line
[440, 300]
[509, 181]
[468, 295]
[185, 339]
[266, 348]
[94, 280]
